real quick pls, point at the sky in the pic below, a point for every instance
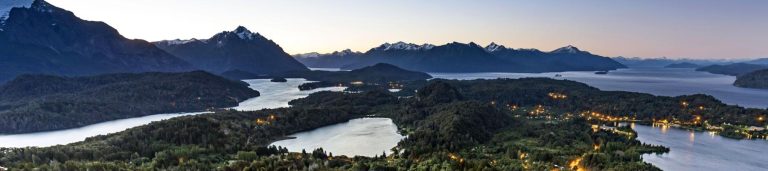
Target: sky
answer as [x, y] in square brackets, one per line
[703, 29]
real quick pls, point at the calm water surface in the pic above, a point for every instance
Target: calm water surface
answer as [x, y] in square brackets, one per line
[362, 137]
[273, 95]
[702, 150]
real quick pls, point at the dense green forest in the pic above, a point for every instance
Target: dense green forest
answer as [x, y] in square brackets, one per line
[447, 128]
[33, 103]
[756, 79]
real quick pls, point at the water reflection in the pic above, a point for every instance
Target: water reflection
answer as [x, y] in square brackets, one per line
[692, 137]
[689, 151]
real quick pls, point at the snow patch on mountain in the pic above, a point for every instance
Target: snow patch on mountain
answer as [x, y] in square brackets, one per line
[344, 52]
[493, 47]
[307, 55]
[246, 34]
[181, 41]
[404, 46]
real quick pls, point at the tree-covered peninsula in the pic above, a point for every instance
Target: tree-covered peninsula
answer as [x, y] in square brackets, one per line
[32, 103]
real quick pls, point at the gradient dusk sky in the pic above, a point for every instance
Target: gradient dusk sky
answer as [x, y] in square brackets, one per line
[645, 28]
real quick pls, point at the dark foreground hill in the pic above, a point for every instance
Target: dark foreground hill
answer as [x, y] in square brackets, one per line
[33, 103]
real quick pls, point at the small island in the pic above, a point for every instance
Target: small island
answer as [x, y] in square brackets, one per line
[757, 79]
[279, 80]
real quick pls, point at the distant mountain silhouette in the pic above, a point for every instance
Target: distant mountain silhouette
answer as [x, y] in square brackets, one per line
[567, 58]
[761, 61]
[460, 57]
[661, 62]
[377, 73]
[732, 69]
[40, 38]
[682, 65]
[336, 59]
[240, 49]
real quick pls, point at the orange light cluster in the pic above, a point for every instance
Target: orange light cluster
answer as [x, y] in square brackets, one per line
[455, 157]
[557, 96]
[603, 117]
[512, 106]
[538, 110]
[266, 121]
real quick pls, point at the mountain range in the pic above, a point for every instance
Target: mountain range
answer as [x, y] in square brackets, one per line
[37, 37]
[239, 49]
[461, 57]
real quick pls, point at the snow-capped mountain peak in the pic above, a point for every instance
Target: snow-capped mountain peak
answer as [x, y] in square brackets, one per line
[307, 55]
[181, 41]
[405, 46]
[245, 34]
[494, 47]
[7, 5]
[567, 49]
[343, 52]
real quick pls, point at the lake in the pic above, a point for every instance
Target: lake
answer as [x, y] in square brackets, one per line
[362, 137]
[702, 150]
[656, 81]
[273, 95]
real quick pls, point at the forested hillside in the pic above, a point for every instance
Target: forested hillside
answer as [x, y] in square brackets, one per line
[32, 103]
